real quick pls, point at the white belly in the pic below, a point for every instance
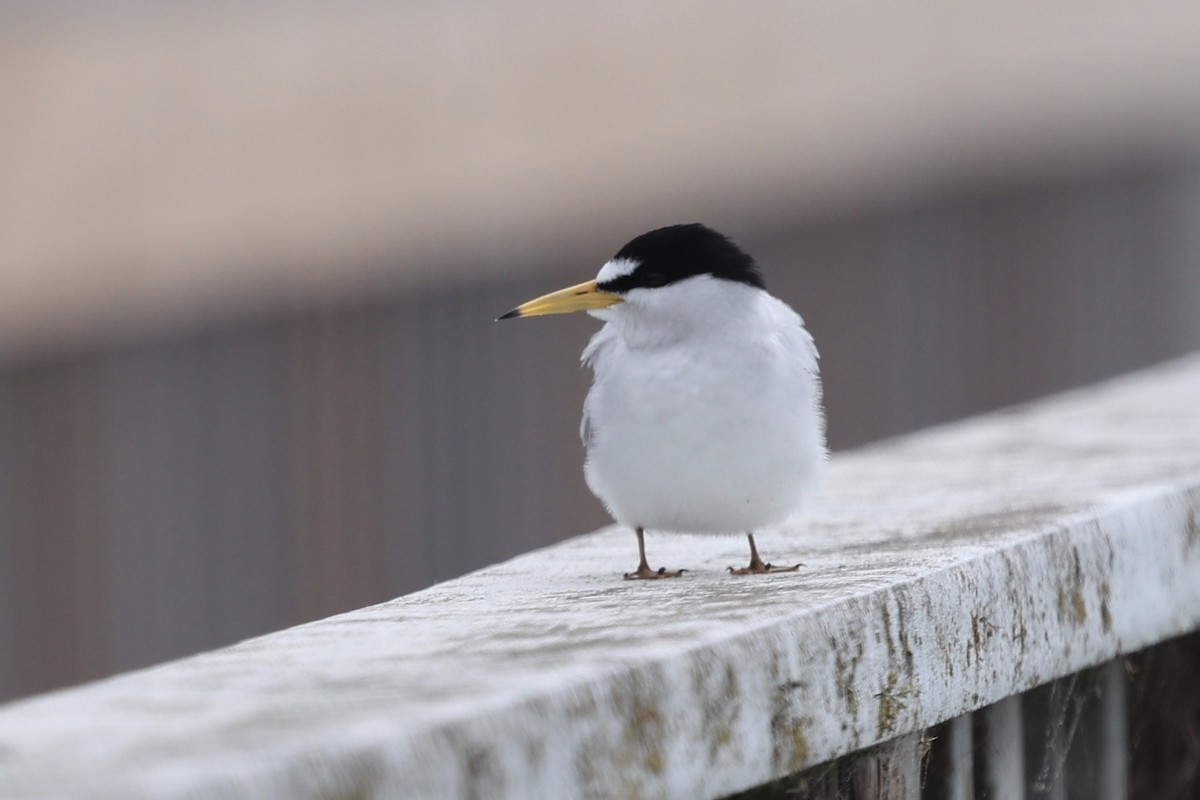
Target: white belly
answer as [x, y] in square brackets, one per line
[726, 440]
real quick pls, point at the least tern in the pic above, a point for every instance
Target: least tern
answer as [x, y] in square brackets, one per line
[704, 415]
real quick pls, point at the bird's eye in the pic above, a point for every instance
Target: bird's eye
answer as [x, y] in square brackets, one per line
[652, 279]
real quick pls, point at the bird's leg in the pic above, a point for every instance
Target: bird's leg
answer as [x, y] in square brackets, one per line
[643, 571]
[757, 565]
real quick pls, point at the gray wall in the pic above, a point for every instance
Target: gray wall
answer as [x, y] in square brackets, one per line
[162, 497]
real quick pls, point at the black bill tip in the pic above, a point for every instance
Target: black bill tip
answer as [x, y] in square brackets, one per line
[516, 312]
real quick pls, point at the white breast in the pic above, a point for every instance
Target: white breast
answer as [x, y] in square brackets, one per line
[717, 431]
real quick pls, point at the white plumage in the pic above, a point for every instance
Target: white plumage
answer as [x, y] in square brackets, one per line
[705, 413]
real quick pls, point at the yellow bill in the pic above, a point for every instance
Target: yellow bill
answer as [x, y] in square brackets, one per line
[564, 301]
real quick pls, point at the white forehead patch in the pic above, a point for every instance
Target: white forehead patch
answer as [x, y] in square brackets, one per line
[617, 268]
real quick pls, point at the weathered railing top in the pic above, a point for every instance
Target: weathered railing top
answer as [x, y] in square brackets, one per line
[944, 571]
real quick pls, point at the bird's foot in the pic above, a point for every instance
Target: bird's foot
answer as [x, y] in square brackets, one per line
[644, 573]
[758, 567]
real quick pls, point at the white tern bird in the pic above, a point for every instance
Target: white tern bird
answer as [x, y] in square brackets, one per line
[705, 413]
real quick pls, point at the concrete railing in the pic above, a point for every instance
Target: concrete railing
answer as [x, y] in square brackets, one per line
[945, 572]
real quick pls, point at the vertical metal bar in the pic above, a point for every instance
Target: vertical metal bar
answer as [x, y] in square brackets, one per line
[1001, 750]
[1098, 754]
[1113, 772]
[1051, 719]
[890, 771]
[960, 779]
[8, 535]
[948, 772]
[1162, 701]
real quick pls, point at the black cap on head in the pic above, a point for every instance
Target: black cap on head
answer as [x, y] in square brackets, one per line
[671, 254]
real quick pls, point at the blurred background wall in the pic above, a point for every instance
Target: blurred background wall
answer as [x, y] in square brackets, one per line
[250, 255]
